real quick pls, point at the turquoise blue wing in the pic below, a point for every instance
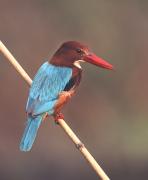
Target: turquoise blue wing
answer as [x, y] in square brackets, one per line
[49, 81]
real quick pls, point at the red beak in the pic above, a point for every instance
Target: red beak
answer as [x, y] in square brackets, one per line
[93, 59]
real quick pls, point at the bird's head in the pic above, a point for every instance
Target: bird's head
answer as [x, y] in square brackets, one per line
[71, 53]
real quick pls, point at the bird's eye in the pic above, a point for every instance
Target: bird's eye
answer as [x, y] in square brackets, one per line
[79, 51]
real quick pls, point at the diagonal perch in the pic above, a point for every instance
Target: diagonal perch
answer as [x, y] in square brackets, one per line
[93, 163]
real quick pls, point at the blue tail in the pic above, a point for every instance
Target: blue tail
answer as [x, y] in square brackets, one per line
[30, 133]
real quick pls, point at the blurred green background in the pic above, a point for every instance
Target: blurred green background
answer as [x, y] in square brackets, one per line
[109, 112]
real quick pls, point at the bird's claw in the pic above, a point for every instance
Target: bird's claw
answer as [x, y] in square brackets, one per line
[57, 117]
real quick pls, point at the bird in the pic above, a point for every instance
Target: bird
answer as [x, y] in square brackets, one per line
[54, 84]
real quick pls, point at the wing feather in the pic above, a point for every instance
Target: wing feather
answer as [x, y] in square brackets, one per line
[49, 81]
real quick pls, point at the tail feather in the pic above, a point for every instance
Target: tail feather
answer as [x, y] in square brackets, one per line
[30, 133]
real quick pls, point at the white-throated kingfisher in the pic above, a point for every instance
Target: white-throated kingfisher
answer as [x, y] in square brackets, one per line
[54, 84]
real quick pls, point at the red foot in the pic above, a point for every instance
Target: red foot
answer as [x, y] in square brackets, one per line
[58, 116]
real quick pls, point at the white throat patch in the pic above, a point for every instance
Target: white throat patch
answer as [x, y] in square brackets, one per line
[77, 64]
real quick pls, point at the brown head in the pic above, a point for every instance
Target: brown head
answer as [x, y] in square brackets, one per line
[71, 53]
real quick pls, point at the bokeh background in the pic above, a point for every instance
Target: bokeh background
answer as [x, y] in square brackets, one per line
[109, 112]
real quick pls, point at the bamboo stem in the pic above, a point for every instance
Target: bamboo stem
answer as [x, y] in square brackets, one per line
[93, 163]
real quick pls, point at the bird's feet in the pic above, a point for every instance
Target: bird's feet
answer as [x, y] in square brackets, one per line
[57, 117]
